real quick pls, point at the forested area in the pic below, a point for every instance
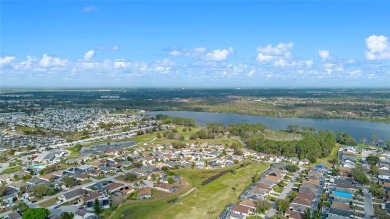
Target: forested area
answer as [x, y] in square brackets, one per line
[314, 144]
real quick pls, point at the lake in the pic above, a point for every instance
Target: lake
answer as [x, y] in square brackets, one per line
[357, 128]
[101, 148]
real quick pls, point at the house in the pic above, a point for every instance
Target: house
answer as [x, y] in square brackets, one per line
[82, 177]
[47, 177]
[384, 175]
[340, 209]
[304, 161]
[145, 193]
[89, 200]
[300, 204]
[312, 181]
[273, 178]
[293, 160]
[293, 215]
[277, 172]
[242, 210]
[165, 187]
[71, 195]
[345, 171]
[35, 181]
[308, 188]
[13, 215]
[199, 165]
[113, 187]
[84, 214]
[248, 203]
[308, 196]
[125, 190]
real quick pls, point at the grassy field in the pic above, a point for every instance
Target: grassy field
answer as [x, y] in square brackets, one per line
[211, 197]
[326, 160]
[11, 170]
[48, 203]
[196, 176]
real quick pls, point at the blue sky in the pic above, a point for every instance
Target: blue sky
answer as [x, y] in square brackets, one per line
[195, 44]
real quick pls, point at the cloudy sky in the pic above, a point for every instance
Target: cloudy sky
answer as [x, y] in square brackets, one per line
[195, 44]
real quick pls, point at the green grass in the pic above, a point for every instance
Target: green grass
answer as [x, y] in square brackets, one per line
[11, 170]
[325, 160]
[277, 189]
[211, 197]
[49, 202]
[196, 176]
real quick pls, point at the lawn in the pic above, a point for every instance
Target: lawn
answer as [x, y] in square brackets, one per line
[196, 176]
[277, 189]
[49, 202]
[11, 170]
[325, 160]
[211, 197]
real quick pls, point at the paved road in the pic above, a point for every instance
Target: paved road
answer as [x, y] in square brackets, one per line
[288, 187]
[368, 208]
[108, 178]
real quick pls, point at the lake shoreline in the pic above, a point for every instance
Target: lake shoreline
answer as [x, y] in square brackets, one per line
[357, 128]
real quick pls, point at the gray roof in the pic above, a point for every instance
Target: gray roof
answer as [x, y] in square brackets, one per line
[74, 193]
[14, 215]
[34, 180]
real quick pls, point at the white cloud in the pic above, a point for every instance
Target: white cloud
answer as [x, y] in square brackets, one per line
[196, 52]
[218, 55]
[49, 61]
[175, 53]
[251, 72]
[324, 54]
[89, 8]
[378, 48]
[114, 48]
[89, 55]
[7, 60]
[278, 53]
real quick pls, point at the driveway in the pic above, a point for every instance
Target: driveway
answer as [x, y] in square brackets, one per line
[368, 204]
[287, 189]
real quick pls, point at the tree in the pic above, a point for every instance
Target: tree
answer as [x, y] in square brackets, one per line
[282, 205]
[67, 215]
[307, 214]
[130, 177]
[374, 170]
[69, 181]
[170, 180]
[22, 206]
[36, 213]
[42, 190]
[262, 206]
[374, 139]
[359, 175]
[292, 168]
[234, 190]
[363, 140]
[372, 160]
[96, 207]
[293, 128]
[388, 144]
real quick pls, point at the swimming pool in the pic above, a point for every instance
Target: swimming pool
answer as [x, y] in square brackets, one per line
[342, 194]
[37, 166]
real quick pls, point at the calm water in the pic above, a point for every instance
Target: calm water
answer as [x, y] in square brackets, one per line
[101, 148]
[357, 129]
